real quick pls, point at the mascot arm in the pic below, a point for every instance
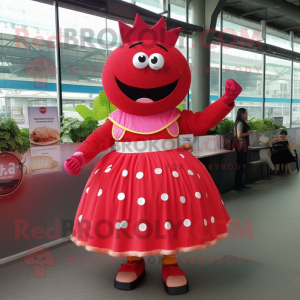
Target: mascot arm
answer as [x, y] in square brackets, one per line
[100, 140]
[200, 122]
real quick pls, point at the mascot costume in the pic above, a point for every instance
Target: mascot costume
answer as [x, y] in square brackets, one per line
[149, 196]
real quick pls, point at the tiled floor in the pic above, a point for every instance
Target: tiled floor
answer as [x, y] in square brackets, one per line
[271, 209]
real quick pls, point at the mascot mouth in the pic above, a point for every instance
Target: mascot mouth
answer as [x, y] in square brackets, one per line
[153, 95]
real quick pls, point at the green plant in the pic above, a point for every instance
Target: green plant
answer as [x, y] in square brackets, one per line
[179, 106]
[24, 134]
[71, 129]
[265, 124]
[11, 138]
[224, 127]
[102, 107]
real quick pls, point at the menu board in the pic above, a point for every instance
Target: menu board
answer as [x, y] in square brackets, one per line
[44, 139]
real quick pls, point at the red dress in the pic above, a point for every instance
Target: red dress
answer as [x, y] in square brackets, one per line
[143, 204]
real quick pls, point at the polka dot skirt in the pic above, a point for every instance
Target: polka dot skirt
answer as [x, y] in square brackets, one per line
[150, 203]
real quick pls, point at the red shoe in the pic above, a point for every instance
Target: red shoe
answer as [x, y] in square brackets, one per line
[130, 275]
[174, 280]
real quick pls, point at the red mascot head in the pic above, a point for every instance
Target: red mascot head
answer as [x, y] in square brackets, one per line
[147, 74]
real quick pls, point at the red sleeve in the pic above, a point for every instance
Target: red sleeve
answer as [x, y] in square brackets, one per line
[200, 122]
[98, 141]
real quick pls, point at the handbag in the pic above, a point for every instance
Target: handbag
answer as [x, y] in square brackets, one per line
[229, 138]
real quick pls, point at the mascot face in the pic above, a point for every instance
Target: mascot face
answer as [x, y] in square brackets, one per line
[147, 74]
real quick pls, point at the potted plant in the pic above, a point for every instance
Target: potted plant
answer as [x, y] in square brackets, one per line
[224, 127]
[73, 130]
[12, 139]
[261, 125]
[102, 107]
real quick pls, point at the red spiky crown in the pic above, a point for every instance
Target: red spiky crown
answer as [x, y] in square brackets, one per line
[141, 32]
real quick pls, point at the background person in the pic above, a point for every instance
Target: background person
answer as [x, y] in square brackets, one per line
[281, 151]
[265, 154]
[242, 133]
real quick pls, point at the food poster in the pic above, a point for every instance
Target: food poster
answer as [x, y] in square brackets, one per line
[44, 140]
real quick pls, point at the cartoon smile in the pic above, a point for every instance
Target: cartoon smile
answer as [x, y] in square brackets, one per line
[146, 95]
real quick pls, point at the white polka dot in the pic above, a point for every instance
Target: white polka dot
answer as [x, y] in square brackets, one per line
[222, 202]
[141, 201]
[190, 172]
[107, 170]
[158, 171]
[199, 176]
[80, 218]
[212, 219]
[124, 224]
[109, 166]
[198, 195]
[142, 227]
[118, 225]
[124, 173]
[182, 199]
[206, 195]
[181, 155]
[139, 175]
[87, 190]
[205, 222]
[175, 174]
[187, 223]
[164, 197]
[100, 192]
[96, 171]
[168, 225]
[121, 196]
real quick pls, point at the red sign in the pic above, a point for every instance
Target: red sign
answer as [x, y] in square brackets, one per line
[11, 173]
[43, 110]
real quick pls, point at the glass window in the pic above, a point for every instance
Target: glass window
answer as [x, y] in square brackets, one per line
[246, 69]
[214, 72]
[178, 12]
[278, 41]
[240, 30]
[27, 60]
[26, 18]
[113, 35]
[296, 47]
[296, 96]
[278, 89]
[83, 54]
[153, 5]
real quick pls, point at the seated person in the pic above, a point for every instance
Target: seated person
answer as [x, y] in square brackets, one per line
[265, 154]
[281, 151]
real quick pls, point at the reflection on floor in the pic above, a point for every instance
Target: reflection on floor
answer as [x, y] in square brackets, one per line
[259, 260]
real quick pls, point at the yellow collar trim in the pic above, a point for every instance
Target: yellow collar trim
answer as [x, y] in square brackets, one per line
[145, 133]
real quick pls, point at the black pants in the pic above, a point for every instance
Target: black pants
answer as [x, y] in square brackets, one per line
[241, 165]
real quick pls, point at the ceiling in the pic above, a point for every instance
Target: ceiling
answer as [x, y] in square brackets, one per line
[281, 15]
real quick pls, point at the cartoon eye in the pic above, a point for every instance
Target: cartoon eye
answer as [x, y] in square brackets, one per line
[140, 60]
[36, 68]
[156, 61]
[44, 68]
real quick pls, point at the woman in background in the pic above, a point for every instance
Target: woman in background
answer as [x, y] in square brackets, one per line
[243, 131]
[281, 151]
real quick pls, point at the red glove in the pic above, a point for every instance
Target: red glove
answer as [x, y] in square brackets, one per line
[73, 164]
[232, 90]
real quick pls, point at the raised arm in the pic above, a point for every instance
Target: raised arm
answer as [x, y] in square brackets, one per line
[100, 140]
[270, 142]
[200, 122]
